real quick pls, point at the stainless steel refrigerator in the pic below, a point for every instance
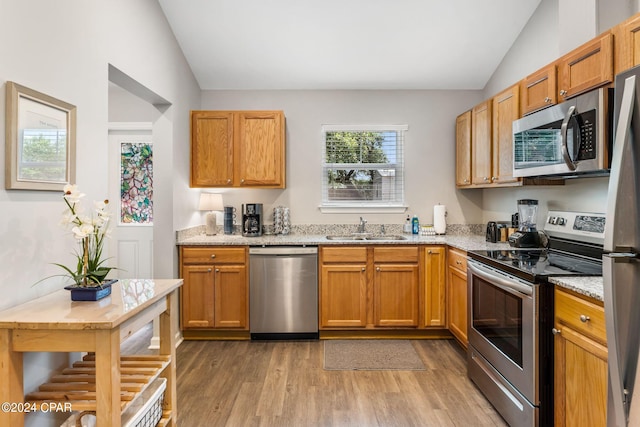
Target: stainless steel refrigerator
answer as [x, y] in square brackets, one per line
[621, 262]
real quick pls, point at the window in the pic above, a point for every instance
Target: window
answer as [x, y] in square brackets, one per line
[362, 167]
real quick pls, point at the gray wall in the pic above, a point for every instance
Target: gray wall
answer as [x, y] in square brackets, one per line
[64, 49]
[429, 148]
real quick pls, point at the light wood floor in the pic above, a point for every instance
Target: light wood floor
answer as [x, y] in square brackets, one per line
[243, 383]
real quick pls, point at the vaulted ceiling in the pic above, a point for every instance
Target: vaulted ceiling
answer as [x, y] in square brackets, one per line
[346, 44]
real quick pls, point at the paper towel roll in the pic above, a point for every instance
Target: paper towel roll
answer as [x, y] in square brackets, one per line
[439, 221]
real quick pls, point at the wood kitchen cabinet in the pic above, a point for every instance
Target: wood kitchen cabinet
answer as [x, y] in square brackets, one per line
[463, 149]
[457, 295]
[505, 109]
[343, 287]
[238, 149]
[216, 288]
[538, 90]
[369, 286]
[395, 286]
[434, 286]
[586, 67]
[481, 143]
[626, 38]
[580, 361]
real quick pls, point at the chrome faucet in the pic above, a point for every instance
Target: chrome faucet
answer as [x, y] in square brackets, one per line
[363, 223]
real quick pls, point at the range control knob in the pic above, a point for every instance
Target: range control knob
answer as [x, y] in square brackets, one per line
[552, 220]
[561, 221]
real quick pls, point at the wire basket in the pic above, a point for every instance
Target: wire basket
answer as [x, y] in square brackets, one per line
[151, 411]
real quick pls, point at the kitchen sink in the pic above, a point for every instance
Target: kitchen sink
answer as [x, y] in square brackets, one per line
[381, 237]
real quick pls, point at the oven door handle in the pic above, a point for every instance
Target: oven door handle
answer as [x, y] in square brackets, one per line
[499, 280]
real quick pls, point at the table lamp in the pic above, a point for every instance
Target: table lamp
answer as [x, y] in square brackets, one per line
[211, 202]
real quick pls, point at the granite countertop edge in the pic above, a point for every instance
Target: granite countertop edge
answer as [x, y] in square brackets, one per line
[588, 286]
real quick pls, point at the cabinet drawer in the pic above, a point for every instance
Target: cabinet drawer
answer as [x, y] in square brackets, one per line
[213, 255]
[458, 259]
[584, 316]
[344, 254]
[395, 254]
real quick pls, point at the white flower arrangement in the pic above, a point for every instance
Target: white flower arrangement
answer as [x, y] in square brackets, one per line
[90, 232]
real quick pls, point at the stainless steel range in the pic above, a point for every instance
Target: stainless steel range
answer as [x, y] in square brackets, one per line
[511, 313]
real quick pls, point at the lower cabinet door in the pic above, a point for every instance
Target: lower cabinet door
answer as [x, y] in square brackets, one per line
[197, 296]
[343, 296]
[230, 297]
[395, 295]
[580, 380]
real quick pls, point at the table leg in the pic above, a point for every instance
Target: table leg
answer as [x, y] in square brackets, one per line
[168, 332]
[108, 408]
[11, 385]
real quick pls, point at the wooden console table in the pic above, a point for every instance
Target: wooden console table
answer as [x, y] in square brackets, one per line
[54, 323]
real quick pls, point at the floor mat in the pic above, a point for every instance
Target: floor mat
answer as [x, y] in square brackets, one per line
[371, 355]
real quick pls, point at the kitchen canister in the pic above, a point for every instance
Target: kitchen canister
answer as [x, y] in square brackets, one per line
[439, 220]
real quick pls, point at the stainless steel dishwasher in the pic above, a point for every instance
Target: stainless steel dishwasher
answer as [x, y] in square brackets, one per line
[283, 292]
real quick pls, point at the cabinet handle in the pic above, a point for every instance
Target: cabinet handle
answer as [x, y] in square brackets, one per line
[217, 270]
[466, 181]
[209, 270]
[486, 178]
[458, 262]
[377, 268]
[584, 319]
[229, 181]
[563, 92]
[429, 251]
[364, 269]
[213, 255]
[242, 181]
[555, 331]
[494, 178]
[547, 100]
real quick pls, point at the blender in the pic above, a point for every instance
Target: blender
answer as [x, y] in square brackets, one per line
[527, 235]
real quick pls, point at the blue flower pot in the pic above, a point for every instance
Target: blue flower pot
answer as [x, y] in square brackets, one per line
[90, 293]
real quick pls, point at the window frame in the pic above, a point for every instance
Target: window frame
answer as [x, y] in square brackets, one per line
[355, 206]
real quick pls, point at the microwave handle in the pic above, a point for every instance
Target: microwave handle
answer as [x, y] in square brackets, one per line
[563, 134]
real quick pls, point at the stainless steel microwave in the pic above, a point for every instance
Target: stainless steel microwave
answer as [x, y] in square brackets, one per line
[573, 138]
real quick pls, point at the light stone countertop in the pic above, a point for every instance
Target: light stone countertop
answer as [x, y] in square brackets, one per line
[591, 286]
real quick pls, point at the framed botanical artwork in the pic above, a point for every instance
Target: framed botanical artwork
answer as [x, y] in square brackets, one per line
[40, 140]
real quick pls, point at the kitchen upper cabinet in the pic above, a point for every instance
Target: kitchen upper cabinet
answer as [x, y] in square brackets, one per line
[481, 143]
[626, 38]
[506, 109]
[580, 385]
[538, 90]
[463, 149]
[434, 286]
[216, 288]
[587, 67]
[457, 295]
[238, 149]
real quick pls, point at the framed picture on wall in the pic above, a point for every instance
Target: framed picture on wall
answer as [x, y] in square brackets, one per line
[40, 140]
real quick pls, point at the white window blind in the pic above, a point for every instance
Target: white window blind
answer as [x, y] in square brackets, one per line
[363, 166]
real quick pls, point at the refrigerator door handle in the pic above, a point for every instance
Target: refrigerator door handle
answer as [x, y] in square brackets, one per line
[622, 139]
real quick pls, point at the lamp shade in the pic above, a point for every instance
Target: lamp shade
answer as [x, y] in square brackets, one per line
[211, 202]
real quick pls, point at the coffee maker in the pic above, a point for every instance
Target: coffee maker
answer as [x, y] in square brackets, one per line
[252, 219]
[527, 235]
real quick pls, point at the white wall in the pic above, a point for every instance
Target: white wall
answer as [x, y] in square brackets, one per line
[429, 148]
[63, 49]
[544, 39]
